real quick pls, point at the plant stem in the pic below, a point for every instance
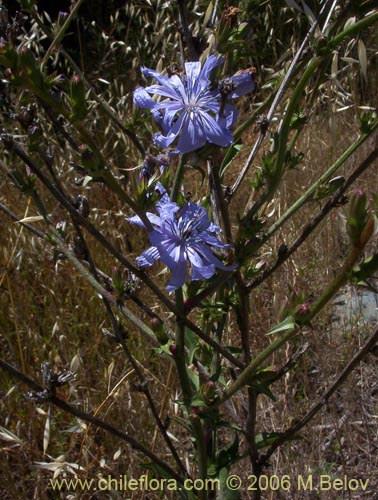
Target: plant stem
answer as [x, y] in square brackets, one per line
[324, 178]
[177, 183]
[12, 146]
[58, 38]
[316, 407]
[315, 221]
[187, 392]
[279, 163]
[280, 93]
[102, 103]
[245, 377]
[86, 417]
[357, 27]
[180, 351]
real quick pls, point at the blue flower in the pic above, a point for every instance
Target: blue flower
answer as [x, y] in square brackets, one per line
[182, 235]
[193, 109]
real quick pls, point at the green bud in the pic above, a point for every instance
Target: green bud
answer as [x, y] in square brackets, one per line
[208, 392]
[358, 215]
[79, 108]
[158, 328]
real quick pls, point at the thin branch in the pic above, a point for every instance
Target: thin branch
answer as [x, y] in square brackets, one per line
[103, 104]
[340, 279]
[277, 99]
[315, 221]
[185, 30]
[86, 417]
[58, 38]
[118, 255]
[322, 401]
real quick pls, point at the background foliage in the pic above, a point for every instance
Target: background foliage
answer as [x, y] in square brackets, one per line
[49, 313]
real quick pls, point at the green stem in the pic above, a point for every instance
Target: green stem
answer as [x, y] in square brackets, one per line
[279, 163]
[187, 392]
[326, 176]
[252, 119]
[177, 183]
[180, 351]
[341, 278]
[354, 29]
[62, 30]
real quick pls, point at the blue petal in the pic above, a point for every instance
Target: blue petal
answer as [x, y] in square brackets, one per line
[165, 141]
[230, 113]
[192, 135]
[148, 257]
[163, 80]
[211, 62]
[208, 255]
[142, 99]
[167, 245]
[154, 219]
[244, 84]
[168, 115]
[200, 271]
[213, 241]
[178, 272]
[165, 91]
[215, 133]
[194, 215]
[192, 70]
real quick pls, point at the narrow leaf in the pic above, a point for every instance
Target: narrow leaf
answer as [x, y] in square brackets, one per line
[287, 324]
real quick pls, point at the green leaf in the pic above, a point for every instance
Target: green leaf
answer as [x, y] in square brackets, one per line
[365, 269]
[268, 438]
[233, 150]
[183, 422]
[197, 402]
[224, 492]
[194, 379]
[264, 389]
[287, 324]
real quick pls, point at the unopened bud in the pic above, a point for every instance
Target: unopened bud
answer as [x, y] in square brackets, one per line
[173, 350]
[357, 216]
[208, 391]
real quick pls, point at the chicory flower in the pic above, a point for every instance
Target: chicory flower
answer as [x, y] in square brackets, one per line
[182, 236]
[193, 109]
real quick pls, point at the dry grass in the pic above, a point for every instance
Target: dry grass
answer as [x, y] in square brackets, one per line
[49, 313]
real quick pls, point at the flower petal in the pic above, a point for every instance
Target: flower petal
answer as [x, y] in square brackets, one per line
[165, 141]
[200, 271]
[211, 62]
[193, 135]
[208, 255]
[179, 272]
[142, 99]
[148, 257]
[215, 133]
[154, 219]
[165, 91]
[192, 70]
[243, 83]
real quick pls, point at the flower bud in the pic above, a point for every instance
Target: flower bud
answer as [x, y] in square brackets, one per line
[173, 350]
[357, 216]
[208, 391]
